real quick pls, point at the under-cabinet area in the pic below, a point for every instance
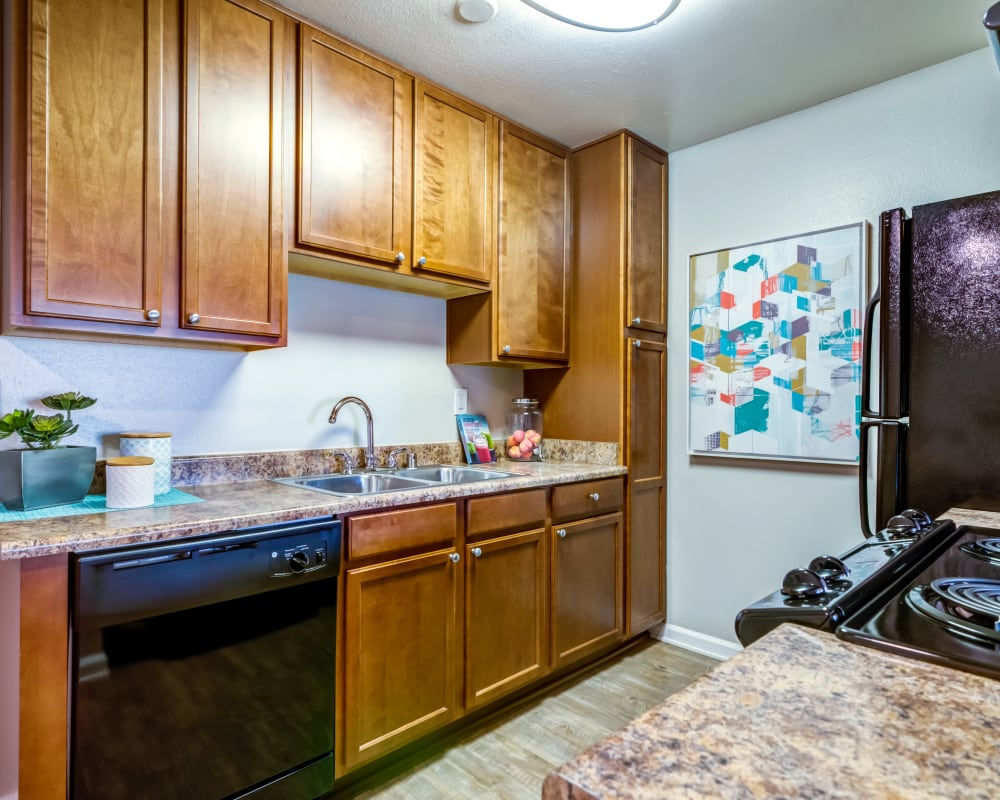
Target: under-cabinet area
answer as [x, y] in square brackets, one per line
[444, 605]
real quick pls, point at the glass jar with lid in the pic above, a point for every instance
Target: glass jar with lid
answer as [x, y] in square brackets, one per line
[524, 430]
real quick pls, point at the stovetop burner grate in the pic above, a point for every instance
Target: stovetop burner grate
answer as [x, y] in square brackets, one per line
[969, 606]
[986, 549]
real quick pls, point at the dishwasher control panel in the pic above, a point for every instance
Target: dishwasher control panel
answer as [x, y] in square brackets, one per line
[297, 555]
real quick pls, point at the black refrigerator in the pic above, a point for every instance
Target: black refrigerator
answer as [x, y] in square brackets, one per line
[931, 431]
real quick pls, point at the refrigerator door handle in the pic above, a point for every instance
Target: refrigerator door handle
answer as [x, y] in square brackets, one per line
[897, 478]
[866, 359]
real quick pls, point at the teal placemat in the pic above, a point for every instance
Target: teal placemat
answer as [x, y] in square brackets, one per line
[93, 504]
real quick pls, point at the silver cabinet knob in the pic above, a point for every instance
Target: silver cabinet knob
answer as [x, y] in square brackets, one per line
[194, 319]
[506, 348]
[636, 343]
[476, 551]
[152, 315]
[594, 496]
[400, 257]
[455, 558]
[561, 533]
[421, 262]
[637, 320]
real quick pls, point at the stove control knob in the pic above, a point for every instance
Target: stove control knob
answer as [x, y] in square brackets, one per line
[830, 568]
[298, 561]
[921, 518]
[800, 584]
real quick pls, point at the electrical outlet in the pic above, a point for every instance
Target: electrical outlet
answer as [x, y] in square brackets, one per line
[461, 401]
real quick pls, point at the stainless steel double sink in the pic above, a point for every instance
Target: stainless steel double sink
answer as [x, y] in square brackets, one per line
[401, 480]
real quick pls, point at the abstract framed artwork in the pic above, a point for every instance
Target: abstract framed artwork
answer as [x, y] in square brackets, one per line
[775, 347]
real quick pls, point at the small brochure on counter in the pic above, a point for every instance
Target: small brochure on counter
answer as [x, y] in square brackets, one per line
[474, 436]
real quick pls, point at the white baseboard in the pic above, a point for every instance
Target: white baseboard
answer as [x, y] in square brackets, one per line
[695, 641]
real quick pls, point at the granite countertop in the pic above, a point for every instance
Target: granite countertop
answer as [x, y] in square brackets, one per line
[229, 506]
[798, 714]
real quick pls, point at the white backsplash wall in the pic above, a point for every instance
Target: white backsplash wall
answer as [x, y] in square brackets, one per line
[735, 527]
[388, 348]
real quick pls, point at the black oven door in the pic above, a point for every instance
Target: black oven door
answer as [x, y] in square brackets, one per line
[206, 670]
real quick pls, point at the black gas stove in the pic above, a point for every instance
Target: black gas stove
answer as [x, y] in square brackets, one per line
[946, 610]
[919, 588]
[831, 588]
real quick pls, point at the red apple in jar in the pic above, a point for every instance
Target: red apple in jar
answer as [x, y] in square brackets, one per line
[526, 447]
[514, 451]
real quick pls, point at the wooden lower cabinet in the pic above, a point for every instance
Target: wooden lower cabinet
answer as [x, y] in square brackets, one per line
[587, 597]
[401, 639]
[506, 627]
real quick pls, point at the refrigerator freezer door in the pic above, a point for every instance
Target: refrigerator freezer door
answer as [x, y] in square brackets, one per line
[953, 452]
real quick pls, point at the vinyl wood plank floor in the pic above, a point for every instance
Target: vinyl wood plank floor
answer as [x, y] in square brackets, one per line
[510, 757]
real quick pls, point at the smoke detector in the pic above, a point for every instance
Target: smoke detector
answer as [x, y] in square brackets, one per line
[476, 10]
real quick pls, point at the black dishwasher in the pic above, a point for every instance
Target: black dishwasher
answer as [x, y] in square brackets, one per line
[205, 669]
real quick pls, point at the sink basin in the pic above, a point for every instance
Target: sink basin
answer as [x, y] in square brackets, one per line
[361, 483]
[357, 483]
[444, 473]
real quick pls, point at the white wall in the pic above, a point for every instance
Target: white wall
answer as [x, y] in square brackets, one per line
[930, 135]
[386, 347]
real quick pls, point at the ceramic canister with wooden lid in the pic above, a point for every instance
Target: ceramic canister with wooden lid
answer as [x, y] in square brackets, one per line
[155, 445]
[129, 481]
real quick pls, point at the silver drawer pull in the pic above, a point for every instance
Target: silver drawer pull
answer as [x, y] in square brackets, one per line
[561, 533]
[476, 551]
[152, 315]
[637, 320]
[455, 558]
[594, 496]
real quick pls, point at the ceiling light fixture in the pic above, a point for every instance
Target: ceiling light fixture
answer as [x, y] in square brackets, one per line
[602, 15]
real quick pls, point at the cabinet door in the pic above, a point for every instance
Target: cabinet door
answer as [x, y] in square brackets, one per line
[454, 185]
[506, 626]
[400, 639]
[533, 267]
[645, 549]
[95, 199]
[234, 270]
[647, 238]
[355, 129]
[586, 587]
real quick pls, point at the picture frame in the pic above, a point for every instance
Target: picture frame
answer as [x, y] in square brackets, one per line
[775, 347]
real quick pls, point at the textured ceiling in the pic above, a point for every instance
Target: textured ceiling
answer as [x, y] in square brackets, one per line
[711, 68]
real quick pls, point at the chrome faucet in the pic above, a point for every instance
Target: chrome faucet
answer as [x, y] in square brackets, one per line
[370, 451]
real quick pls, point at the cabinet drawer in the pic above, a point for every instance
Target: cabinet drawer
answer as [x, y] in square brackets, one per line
[408, 529]
[514, 511]
[586, 499]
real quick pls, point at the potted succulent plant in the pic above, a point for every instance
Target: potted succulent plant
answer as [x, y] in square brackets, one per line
[45, 473]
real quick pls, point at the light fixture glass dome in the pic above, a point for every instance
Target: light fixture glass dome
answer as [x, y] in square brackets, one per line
[607, 15]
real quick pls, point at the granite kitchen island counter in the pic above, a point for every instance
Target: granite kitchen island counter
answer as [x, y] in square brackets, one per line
[801, 714]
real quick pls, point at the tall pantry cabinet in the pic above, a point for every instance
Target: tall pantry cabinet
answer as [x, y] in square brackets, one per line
[615, 387]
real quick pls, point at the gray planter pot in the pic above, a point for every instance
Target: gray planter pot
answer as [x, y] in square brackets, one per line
[41, 478]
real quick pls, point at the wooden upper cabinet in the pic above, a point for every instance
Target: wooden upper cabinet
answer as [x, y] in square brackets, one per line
[355, 129]
[454, 185]
[94, 200]
[534, 261]
[234, 269]
[647, 238]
